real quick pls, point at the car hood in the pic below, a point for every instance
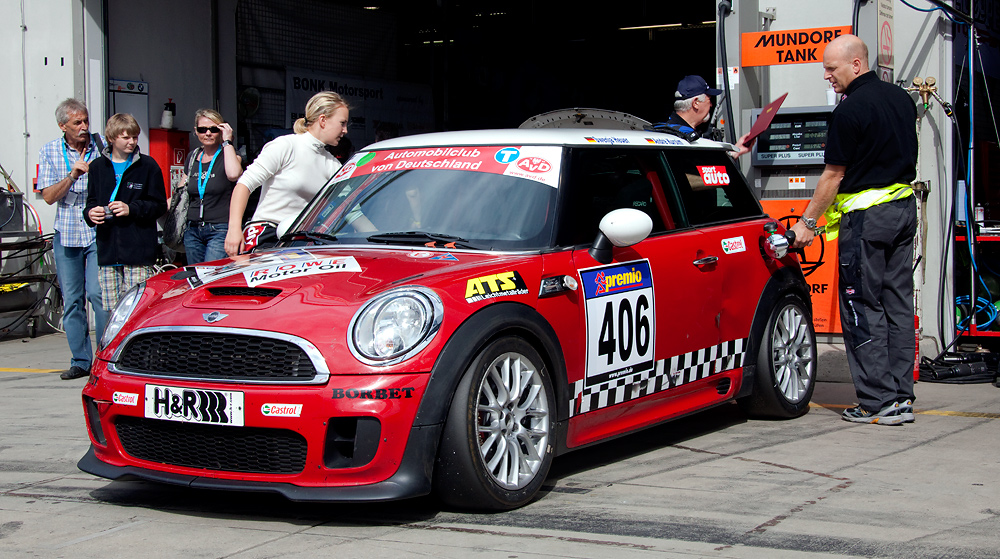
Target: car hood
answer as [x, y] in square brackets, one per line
[296, 290]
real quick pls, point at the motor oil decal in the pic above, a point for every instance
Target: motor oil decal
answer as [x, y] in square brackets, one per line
[733, 245]
[536, 163]
[261, 268]
[621, 320]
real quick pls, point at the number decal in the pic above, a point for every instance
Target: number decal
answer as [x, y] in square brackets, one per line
[620, 320]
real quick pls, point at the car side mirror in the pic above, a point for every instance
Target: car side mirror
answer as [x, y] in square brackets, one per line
[620, 228]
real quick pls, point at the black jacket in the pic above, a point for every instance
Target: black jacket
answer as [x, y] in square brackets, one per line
[132, 239]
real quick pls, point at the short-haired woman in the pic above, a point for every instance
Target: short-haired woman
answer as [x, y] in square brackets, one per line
[210, 185]
[290, 170]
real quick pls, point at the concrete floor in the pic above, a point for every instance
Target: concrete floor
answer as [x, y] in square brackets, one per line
[711, 485]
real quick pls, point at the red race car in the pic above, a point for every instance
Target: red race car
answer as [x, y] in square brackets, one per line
[453, 311]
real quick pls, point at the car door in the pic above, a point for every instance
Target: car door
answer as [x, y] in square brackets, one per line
[651, 316]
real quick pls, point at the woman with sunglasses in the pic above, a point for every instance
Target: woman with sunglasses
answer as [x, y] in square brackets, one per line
[214, 169]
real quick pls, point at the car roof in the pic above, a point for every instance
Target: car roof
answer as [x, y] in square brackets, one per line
[544, 136]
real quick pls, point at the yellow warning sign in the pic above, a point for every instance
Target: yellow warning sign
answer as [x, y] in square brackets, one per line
[794, 46]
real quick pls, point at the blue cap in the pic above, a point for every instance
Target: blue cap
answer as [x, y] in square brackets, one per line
[693, 86]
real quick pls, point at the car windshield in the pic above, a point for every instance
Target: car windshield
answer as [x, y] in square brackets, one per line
[480, 204]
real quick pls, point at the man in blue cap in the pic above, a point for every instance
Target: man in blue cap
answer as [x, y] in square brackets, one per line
[693, 108]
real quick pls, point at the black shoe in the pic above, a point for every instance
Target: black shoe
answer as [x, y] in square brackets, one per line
[74, 372]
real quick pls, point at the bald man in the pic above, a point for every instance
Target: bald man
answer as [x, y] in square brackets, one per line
[871, 156]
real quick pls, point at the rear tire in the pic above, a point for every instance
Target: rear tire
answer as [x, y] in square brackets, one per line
[786, 363]
[496, 450]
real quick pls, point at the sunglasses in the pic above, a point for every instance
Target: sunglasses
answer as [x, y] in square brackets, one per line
[212, 129]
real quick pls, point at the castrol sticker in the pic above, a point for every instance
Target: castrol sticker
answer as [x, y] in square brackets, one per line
[125, 399]
[281, 410]
[733, 245]
[714, 175]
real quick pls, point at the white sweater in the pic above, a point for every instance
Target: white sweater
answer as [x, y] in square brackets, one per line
[291, 170]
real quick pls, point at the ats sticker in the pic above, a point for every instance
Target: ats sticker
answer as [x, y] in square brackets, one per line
[497, 285]
[621, 322]
[714, 175]
[125, 399]
[733, 244]
[281, 410]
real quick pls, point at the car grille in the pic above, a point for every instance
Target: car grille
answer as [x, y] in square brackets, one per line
[213, 447]
[216, 356]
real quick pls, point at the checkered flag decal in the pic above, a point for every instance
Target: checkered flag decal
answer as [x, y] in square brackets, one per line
[666, 374]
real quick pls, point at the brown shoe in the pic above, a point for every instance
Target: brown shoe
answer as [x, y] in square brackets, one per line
[74, 372]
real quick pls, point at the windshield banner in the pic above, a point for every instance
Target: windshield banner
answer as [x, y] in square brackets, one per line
[536, 163]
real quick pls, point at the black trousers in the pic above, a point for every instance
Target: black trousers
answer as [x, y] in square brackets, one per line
[876, 300]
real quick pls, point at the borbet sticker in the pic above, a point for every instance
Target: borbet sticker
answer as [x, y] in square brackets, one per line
[713, 175]
[288, 270]
[536, 163]
[125, 399]
[492, 286]
[733, 244]
[281, 410]
[621, 320]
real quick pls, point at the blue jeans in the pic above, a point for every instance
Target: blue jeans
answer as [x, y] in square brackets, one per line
[205, 242]
[76, 268]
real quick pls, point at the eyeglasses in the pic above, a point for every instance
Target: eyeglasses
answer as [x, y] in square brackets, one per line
[212, 129]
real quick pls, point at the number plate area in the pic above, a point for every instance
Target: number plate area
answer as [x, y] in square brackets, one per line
[194, 405]
[620, 320]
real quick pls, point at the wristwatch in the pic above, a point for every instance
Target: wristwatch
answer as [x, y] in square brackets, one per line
[809, 222]
[227, 143]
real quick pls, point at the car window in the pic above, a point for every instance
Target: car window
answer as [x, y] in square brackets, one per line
[490, 211]
[603, 180]
[711, 188]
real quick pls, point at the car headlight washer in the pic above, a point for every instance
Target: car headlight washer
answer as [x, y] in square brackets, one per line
[395, 325]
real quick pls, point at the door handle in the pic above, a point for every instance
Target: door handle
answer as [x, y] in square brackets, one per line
[706, 261]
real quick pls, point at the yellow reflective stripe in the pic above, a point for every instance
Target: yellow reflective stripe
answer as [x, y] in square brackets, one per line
[863, 200]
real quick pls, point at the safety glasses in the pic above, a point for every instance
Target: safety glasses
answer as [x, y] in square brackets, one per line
[212, 129]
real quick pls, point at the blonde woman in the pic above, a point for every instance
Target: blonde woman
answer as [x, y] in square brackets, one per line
[290, 170]
[210, 187]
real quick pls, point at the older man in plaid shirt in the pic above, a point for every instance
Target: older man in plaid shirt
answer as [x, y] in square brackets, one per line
[62, 178]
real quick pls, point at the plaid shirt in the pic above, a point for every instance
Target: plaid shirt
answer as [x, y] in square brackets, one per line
[53, 165]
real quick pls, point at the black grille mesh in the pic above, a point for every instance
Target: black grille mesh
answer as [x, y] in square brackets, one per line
[244, 291]
[216, 356]
[213, 447]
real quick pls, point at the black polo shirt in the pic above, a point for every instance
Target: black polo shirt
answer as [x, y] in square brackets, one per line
[873, 134]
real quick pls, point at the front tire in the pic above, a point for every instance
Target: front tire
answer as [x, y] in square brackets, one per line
[496, 451]
[786, 363]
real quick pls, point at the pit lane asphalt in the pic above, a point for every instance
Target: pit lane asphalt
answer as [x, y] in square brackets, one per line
[711, 485]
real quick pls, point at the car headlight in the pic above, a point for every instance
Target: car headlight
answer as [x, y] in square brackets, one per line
[395, 325]
[122, 311]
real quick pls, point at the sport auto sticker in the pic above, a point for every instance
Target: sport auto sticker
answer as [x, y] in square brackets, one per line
[192, 405]
[621, 320]
[492, 286]
[714, 175]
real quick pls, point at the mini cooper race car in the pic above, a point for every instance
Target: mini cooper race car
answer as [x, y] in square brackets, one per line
[450, 313]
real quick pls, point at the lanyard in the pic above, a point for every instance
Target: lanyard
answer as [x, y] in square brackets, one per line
[69, 166]
[118, 179]
[203, 181]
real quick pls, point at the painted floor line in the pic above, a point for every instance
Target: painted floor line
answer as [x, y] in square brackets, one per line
[7, 370]
[918, 412]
